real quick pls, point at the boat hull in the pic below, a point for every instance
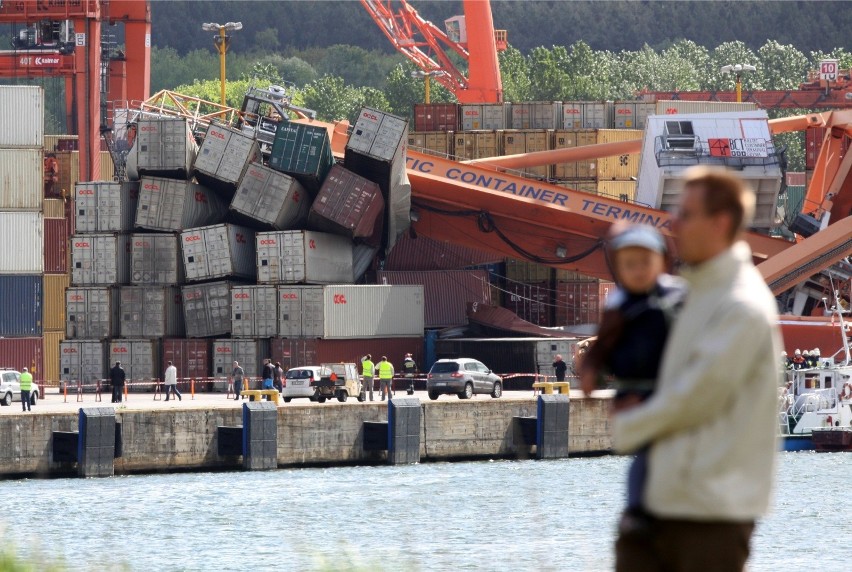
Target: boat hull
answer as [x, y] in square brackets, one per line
[797, 443]
[832, 440]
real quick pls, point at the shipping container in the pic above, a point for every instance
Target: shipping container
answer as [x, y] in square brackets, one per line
[21, 243]
[372, 311]
[619, 167]
[301, 352]
[19, 353]
[254, 311]
[54, 208]
[431, 142]
[52, 353]
[303, 257]
[22, 116]
[537, 115]
[83, 361]
[532, 302]
[796, 179]
[520, 142]
[150, 312]
[107, 167]
[303, 151]
[101, 206]
[21, 178]
[249, 353]
[586, 115]
[477, 145]
[56, 245]
[172, 205]
[676, 107]
[140, 360]
[490, 116]
[155, 259]
[583, 185]
[207, 309]
[424, 253]
[163, 147]
[620, 190]
[572, 275]
[296, 352]
[632, 114]
[586, 169]
[224, 156]
[577, 303]
[300, 311]
[814, 138]
[61, 143]
[446, 294]
[363, 257]
[218, 251]
[526, 271]
[20, 312]
[272, 198]
[53, 304]
[436, 116]
[190, 357]
[91, 313]
[100, 259]
[349, 205]
[69, 173]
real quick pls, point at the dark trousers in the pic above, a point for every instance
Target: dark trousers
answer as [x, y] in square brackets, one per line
[25, 400]
[238, 387]
[116, 393]
[663, 545]
[172, 388]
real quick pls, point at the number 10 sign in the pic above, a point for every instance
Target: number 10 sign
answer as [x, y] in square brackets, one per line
[828, 70]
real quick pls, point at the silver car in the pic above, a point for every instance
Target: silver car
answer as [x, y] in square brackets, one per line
[10, 388]
[463, 377]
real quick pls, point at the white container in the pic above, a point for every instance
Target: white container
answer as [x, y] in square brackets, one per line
[163, 146]
[150, 312]
[249, 353]
[537, 115]
[100, 259]
[300, 311]
[84, 361]
[101, 206]
[139, 358]
[91, 313]
[218, 251]
[271, 197]
[378, 135]
[21, 178]
[586, 114]
[303, 257]
[172, 205]
[486, 116]
[155, 259]
[254, 311]
[21, 243]
[372, 311]
[21, 116]
[207, 309]
[224, 156]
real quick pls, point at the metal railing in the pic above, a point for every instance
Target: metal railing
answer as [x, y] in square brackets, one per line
[699, 154]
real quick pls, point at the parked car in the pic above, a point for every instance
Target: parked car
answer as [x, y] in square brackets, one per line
[463, 377]
[10, 388]
[299, 382]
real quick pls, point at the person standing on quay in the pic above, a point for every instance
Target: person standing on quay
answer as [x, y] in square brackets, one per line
[278, 380]
[116, 380]
[171, 382]
[559, 368]
[409, 368]
[367, 370]
[711, 429]
[26, 388]
[268, 374]
[237, 379]
[385, 370]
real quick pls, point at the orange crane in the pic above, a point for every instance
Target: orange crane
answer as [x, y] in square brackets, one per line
[429, 48]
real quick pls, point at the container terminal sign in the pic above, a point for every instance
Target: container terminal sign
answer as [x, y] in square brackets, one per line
[738, 148]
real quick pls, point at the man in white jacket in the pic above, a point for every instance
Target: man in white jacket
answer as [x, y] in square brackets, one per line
[171, 382]
[711, 423]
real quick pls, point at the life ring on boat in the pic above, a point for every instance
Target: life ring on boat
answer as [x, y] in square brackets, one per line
[847, 391]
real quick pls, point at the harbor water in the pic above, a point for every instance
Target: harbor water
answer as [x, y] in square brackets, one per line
[502, 515]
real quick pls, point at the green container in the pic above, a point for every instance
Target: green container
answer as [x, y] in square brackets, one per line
[302, 151]
[792, 199]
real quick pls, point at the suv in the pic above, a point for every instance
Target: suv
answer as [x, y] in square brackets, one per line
[10, 387]
[463, 377]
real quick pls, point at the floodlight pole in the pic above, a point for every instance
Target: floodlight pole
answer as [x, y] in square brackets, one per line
[222, 41]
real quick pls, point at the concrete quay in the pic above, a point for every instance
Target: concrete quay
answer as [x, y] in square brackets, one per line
[161, 436]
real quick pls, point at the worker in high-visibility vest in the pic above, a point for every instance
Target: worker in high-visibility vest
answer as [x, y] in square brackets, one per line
[367, 371]
[385, 371]
[26, 387]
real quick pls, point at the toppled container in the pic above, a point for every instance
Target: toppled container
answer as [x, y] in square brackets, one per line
[84, 361]
[254, 311]
[376, 151]
[91, 313]
[164, 146]
[303, 151]
[218, 251]
[150, 312]
[303, 257]
[249, 353]
[537, 115]
[172, 205]
[140, 360]
[155, 259]
[349, 205]
[272, 198]
[100, 259]
[190, 357]
[101, 206]
[300, 310]
[207, 309]
[224, 156]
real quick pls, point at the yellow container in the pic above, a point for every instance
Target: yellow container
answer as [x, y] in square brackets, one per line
[580, 185]
[431, 142]
[51, 355]
[519, 141]
[621, 190]
[477, 144]
[107, 167]
[53, 304]
[54, 208]
[621, 167]
[51, 142]
[567, 138]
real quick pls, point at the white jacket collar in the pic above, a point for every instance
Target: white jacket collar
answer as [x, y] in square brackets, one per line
[719, 269]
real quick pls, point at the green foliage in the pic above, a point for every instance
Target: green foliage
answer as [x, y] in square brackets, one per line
[267, 39]
[403, 91]
[357, 66]
[332, 99]
[515, 75]
[210, 90]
